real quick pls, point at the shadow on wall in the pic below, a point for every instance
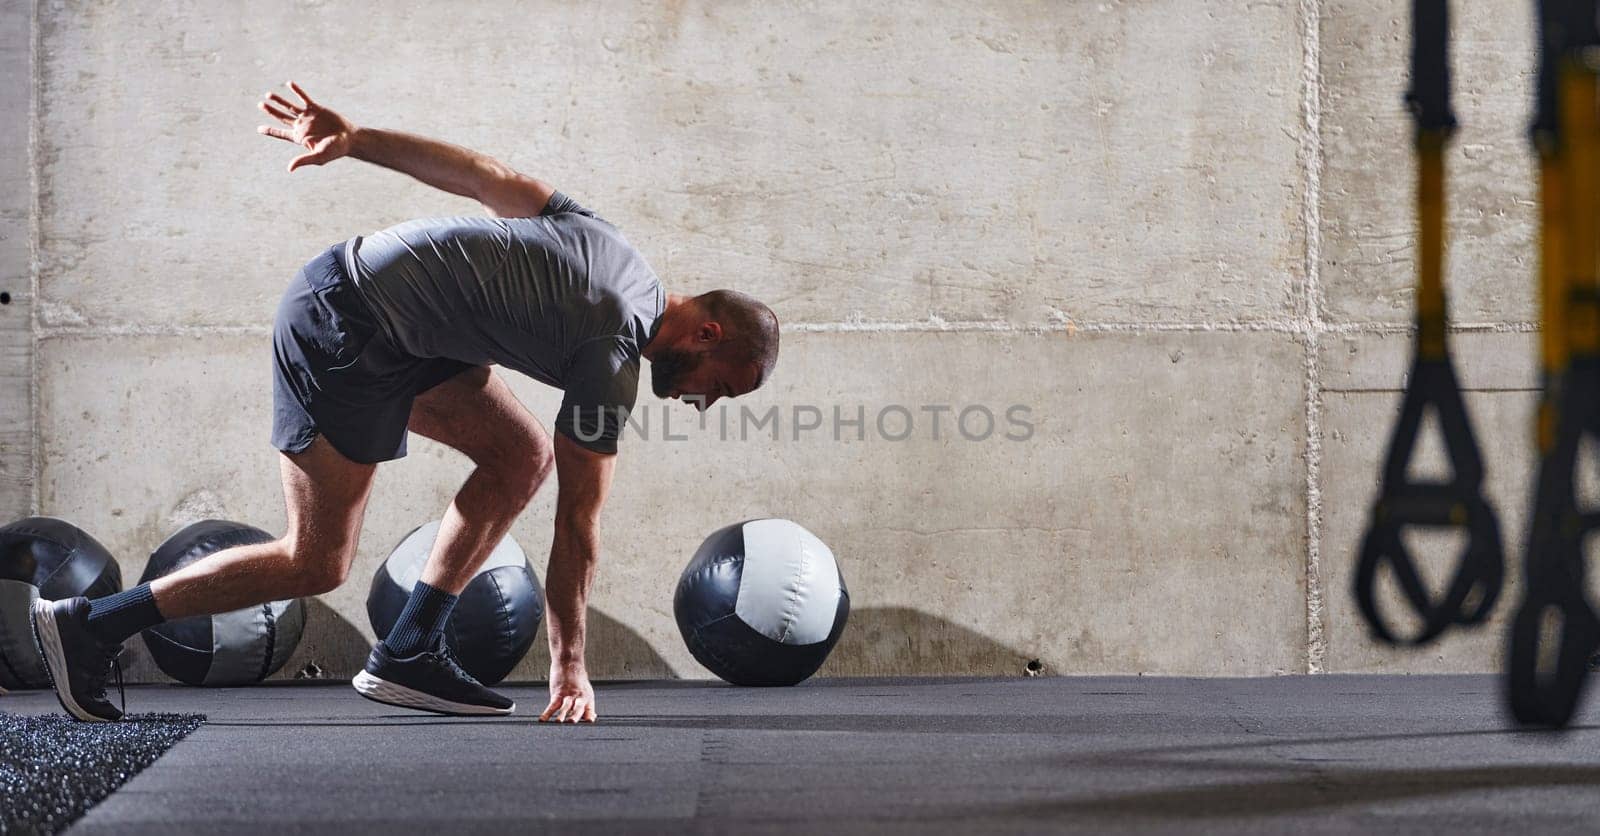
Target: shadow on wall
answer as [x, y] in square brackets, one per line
[900, 641]
[333, 648]
[615, 651]
[330, 648]
[879, 641]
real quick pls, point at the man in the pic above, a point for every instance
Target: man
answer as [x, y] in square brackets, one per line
[397, 331]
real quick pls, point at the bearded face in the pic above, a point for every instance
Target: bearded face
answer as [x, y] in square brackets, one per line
[670, 368]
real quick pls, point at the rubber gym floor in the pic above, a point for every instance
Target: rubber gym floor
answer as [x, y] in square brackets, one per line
[1323, 754]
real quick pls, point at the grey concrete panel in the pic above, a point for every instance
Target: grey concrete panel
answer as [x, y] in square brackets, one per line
[1156, 531]
[1361, 400]
[922, 185]
[1016, 162]
[16, 260]
[1368, 181]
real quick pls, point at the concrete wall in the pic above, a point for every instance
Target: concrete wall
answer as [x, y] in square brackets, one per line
[1176, 231]
[16, 257]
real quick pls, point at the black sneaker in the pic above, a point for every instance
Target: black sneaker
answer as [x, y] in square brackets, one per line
[428, 681]
[77, 662]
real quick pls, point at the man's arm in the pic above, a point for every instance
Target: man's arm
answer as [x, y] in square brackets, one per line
[584, 479]
[503, 191]
[327, 136]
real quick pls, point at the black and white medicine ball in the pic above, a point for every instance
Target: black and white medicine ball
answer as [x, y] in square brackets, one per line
[241, 647]
[762, 603]
[43, 557]
[494, 621]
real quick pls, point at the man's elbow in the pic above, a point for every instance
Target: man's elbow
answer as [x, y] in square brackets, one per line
[508, 194]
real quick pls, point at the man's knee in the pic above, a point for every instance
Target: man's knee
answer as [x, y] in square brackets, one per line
[521, 472]
[318, 568]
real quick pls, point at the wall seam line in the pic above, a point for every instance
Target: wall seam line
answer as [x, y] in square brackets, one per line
[1297, 328]
[1316, 641]
[35, 243]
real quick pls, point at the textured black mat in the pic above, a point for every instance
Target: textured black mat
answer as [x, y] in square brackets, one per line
[1308, 755]
[53, 769]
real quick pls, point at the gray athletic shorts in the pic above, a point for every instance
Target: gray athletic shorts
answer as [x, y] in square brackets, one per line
[336, 374]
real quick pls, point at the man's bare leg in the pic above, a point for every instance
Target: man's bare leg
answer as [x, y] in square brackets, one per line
[477, 414]
[326, 495]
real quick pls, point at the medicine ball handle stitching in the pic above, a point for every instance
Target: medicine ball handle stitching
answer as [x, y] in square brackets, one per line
[272, 638]
[30, 527]
[152, 637]
[1458, 503]
[711, 651]
[697, 640]
[502, 620]
[60, 567]
[792, 611]
[174, 642]
[708, 567]
[708, 564]
[72, 551]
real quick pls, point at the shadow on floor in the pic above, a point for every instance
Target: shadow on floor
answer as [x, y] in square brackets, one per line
[900, 641]
[1319, 788]
[874, 723]
[1531, 735]
[393, 721]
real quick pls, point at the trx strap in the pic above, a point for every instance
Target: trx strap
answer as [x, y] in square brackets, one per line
[1556, 628]
[1459, 502]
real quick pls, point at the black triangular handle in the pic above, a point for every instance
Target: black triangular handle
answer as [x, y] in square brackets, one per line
[1457, 503]
[1472, 591]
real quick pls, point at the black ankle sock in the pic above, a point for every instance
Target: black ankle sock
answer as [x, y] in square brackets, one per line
[421, 621]
[115, 618]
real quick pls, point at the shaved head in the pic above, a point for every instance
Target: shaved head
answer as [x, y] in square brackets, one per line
[750, 329]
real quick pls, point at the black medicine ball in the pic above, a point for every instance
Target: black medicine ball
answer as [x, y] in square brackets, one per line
[43, 557]
[762, 603]
[494, 622]
[235, 648]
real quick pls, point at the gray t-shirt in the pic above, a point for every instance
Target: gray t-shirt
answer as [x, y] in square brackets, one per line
[561, 297]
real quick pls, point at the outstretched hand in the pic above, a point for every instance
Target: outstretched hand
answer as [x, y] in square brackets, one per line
[571, 696]
[324, 134]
